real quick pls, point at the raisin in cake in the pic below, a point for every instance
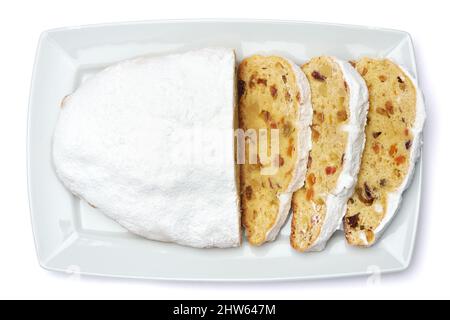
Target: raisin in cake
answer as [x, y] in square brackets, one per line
[126, 143]
[273, 94]
[340, 104]
[393, 134]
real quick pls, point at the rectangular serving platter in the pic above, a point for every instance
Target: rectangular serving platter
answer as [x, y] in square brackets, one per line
[71, 235]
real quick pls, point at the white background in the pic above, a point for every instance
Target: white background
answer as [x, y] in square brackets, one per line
[21, 23]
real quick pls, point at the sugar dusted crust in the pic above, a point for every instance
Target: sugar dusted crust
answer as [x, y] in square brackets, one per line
[111, 147]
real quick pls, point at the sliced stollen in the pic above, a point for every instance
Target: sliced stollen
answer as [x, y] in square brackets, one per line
[126, 142]
[340, 104]
[274, 101]
[393, 133]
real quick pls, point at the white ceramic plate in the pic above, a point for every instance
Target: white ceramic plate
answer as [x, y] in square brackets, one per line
[72, 236]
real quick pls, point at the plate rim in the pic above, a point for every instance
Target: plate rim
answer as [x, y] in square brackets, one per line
[223, 20]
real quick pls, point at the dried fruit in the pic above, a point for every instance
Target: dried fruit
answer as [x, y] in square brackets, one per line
[376, 147]
[262, 81]
[284, 78]
[342, 115]
[273, 91]
[383, 182]
[248, 192]
[376, 134]
[400, 160]
[265, 115]
[320, 117]
[280, 160]
[389, 107]
[287, 129]
[309, 194]
[315, 134]
[370, 236]
[241, 88]
[365, 196]
[353, 221]
[382, 78]
[290, 150]
[393, 150]
[408, 144]
[400, 80]
[311, 179]
[367, 191]
[383, 112]
[330, 170]
[308, 165]
[318, 76]
[287, 96]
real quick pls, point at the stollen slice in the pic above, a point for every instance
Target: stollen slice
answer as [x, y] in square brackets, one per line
[393, 133]
[340, 104]
[274, 106]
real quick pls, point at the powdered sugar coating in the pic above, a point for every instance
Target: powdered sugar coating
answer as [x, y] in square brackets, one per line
[126, 143]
